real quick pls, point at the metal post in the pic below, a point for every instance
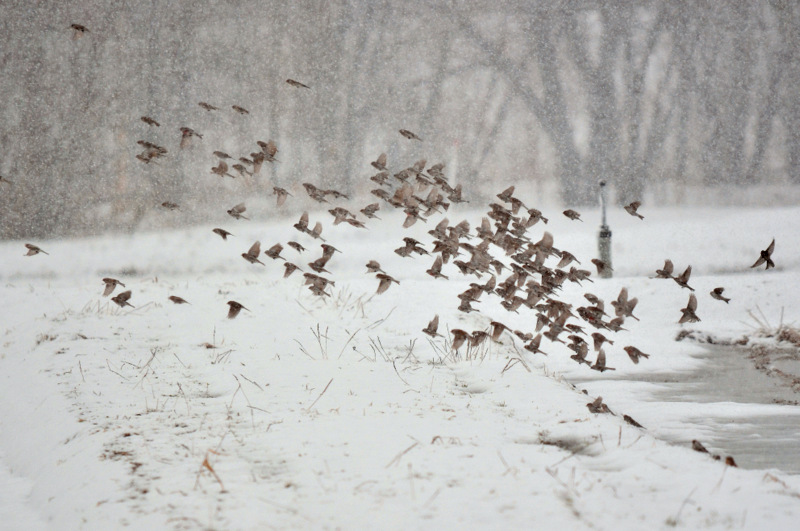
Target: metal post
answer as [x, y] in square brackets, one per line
[604, 237]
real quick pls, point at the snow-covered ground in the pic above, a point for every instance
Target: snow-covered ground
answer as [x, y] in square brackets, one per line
[340, 413]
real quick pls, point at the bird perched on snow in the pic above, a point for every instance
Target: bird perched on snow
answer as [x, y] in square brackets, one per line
[716, 293]
[240, 110]
[632, 209]
[150, 121]
[766, 256]
[121, 300]
[110, 285]
[297, 84]
[34, 249]
[573, 215]
[222, 232]
[178, 300]
[170, 205]
[409, 135]
[234, 309]
[689, 315]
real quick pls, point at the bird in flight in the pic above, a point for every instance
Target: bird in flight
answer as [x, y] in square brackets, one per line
[235, 308]
[409, 135]
[34, 249]
[632, 209]
[766, 256]
[110, 285]
[297, 84]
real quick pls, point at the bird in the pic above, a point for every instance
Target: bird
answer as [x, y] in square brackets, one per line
[121, 299]
[281, 193]
[235, 308]
[269, 149]
[236, 211]
[631, 421]
[274, 252]
[666, 272]
[599, 339]
[289, 269]
[601, 266]
[252, 254]
[632, 209]
[409, 135]
[533, 345]
[302, 225]
[634, 353]
[178, 300]
[597, 406]
[170, 205]
[221, 169]
[34, 249]
[208, 106]
[436, 269]
[459, 336]
[110, 285]
[370, 210]
[683, 280]
[385, 282]
[716, 293]
[730, 462]
[432, 327]
[186, 136]
[297, 84]
[689, 315]
[78, 31]
[766, 256]
[572, 214]
[697, 446]
[600, 363]
[497, 330]
[222, 232]
[240, 110]
[150, 121]
[374, 267]
[296, 246]
[380, 163]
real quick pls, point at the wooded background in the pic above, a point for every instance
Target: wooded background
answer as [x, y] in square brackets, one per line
[555, 94]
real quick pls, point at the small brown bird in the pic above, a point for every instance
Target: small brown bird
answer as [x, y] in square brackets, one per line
[599, 339]
[186, 136]
[252, 255]
[766, 256]
[240, 110]
[222, 155]
[533, 345]
[409, 135]
[600, 363]
[497, 330]
[150, 121]
[236, 211]
[274, 252]
[302, 225]
[296, 246]
[370, 210]
[683, 280]
[289, 269]
[110, 285]
[573, 215]
[629, 420]
[221, 169]
[601, 266]
[689, 315]
[222, 232]
[432, 327]
[597, 406]
[697, 446]
[269, 149]
[78, 31]
[632, 209]
[459, 336]
[170, 205]
[297, 84]
[666, 272]
[716, 293]
[281, 193]
[634, 353]
[436, 269]
[385, 282]
[122, 299]
[379, 164]
[178, 300]
[208, 106]
[34, 249]
[374, 267]
[730, 462]
[234, 309]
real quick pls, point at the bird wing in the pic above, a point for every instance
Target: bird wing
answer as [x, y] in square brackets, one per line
[692, 305]
[771, 247]
[255, 249]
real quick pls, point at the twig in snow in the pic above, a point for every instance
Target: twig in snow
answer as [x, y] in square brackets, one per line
[400, 455]
[348, 342]
[320, 395]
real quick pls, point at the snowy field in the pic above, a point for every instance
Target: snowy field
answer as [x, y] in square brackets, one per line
[323, 413]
